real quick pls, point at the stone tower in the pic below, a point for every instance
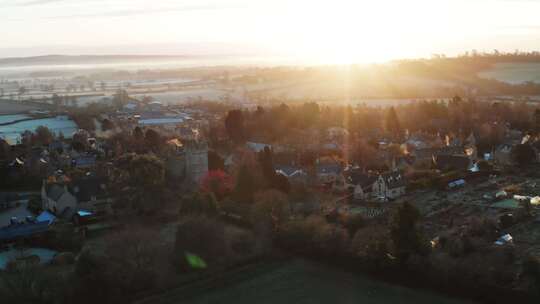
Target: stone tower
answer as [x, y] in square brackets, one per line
[196, 156]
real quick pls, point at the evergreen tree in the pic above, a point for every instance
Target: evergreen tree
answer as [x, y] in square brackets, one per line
[523, 154]
[234, 123]
[537, 120]
[245, 186]
[404, 232]
[392, 123]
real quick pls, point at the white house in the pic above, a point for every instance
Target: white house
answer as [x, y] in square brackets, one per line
[388, 186]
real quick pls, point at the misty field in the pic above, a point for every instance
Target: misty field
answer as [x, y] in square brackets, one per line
[513, 72]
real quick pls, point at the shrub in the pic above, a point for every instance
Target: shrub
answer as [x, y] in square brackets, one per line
[271, 207]
[35, 205]
[30, 284]
[201, 236]
[314, 235]
[372, 246]
[354, 222]
[199, 204]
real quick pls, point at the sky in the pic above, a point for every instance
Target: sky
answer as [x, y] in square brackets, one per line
[323, 31]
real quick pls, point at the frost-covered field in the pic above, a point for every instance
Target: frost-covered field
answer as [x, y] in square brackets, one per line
[12, 132]
[513, 72]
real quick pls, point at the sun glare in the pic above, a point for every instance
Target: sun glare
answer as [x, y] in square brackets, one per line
[347, 31]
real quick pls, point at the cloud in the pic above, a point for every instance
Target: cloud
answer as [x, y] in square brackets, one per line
[134, 12]
[531, 27]
[28, 3]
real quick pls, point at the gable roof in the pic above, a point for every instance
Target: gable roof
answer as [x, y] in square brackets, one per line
[328, 168]
[393, 179]
[446, 150]
[55, 191]
[257, 147]
[289, 171]
[84, 189]
[84, 161]
[357, 177]
[452, 161]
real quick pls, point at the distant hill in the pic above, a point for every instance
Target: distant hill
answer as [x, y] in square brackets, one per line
[84, 59]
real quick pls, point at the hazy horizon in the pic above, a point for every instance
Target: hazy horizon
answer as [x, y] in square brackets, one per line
[340, 31]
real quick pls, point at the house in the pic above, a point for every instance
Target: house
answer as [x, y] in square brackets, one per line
[359, 183]
[57, 198]
[328, 172]
[166, 123]
[130, 107]
[92, 194]
[67, 197]
[335, 133]
[83, 161]
[257, 147]
[389, 185]
[293, 173]
[452, 162]
[423, 158]
[472, 152]
[422, 140]
[155, 106]
[331, 147]
[502, 154]
[58, 146]
[187, 133]
[513, 136]
[402, 163]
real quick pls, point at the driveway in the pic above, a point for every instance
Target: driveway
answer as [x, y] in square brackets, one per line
[19, 212]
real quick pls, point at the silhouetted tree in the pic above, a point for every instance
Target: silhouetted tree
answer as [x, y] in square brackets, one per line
[153, 140]
[537, 120]
[21, 91]
[234, 123]
[215, 162]
[120, 98]
[523, 154]
[404, 232]
[42, 136]
[138, 133]
[56, 100]
[392, 123]
[245, 186]
[106, 124]
[144, 174]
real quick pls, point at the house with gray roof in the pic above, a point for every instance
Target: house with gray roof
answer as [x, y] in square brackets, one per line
[65, 199]
[359, 183]
[58, 199]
